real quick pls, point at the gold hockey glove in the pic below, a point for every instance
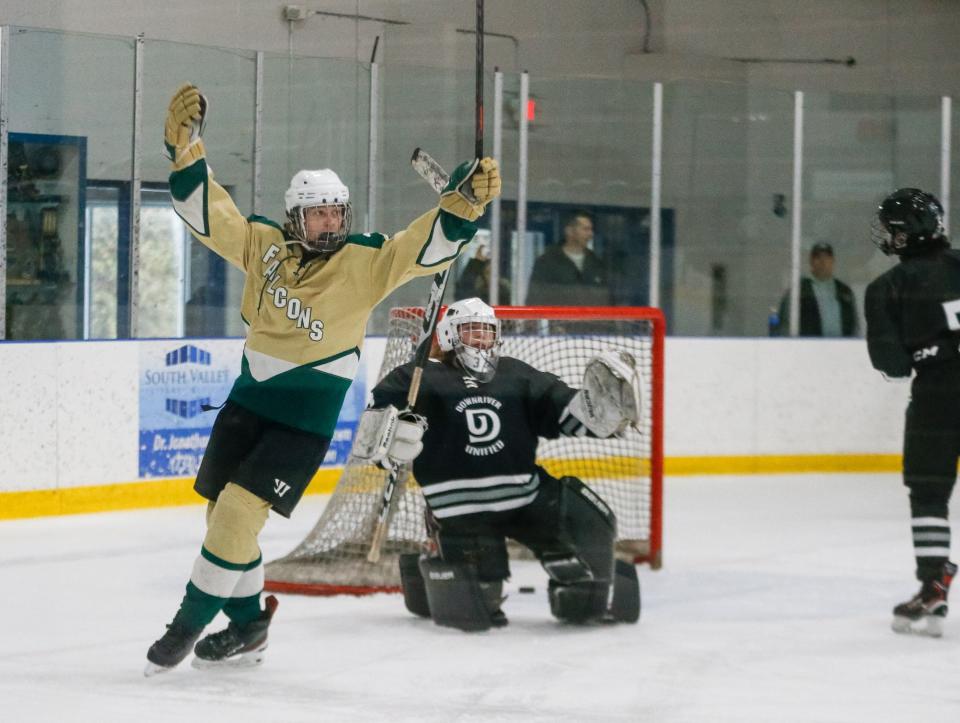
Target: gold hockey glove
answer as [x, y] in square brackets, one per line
[186, 117]
[472, 186]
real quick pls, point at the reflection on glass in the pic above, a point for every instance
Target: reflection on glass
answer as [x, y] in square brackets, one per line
[45, 216]
[727, 176]
[857, 149]
[432, 108]
[58, 86]
[227, 78]
[103, 214]
[726, 194]
[162, 243]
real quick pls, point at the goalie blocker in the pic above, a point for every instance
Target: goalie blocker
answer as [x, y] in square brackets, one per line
[388, 437]
[569, 529]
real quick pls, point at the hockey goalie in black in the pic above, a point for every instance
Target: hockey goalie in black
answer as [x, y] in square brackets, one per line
[480, 416]
[913, 325]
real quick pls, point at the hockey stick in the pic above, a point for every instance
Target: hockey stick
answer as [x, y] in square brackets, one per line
[433, 173]
[430, 315]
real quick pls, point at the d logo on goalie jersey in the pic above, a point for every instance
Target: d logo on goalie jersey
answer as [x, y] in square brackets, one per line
[483, 425]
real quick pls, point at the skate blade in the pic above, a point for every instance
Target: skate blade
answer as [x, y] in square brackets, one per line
[237, 662]
[153, 669]
[930, 626]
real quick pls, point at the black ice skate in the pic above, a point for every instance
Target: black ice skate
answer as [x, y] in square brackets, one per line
[235, 646]
[172, 648]
[924, 613]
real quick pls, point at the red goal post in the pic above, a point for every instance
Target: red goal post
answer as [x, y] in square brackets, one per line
[627, 472]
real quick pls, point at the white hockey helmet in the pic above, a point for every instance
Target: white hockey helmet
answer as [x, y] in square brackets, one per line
[478, 360]
[322, 187]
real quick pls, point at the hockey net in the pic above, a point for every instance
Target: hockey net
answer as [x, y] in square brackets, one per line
[627, 472]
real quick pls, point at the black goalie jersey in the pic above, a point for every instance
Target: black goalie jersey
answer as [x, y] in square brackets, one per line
[480, 448]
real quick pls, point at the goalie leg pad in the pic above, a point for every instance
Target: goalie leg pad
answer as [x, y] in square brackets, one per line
[587, 531]
[579, 603]
[414, 590]
[457, 599]
[625, 605]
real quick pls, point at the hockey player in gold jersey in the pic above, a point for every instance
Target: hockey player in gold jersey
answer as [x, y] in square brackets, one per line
[310, 288]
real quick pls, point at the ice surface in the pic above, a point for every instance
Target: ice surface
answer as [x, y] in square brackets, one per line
[773, 605]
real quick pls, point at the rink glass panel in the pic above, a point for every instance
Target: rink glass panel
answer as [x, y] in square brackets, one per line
[53, 106]
[858, 148]
[727, 154]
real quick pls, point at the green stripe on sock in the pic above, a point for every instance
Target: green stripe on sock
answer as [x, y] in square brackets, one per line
[200, 608]
[243, 610]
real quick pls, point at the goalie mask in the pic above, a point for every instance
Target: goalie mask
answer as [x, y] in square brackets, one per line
[325, 229]
[471, 329]
[908, 220]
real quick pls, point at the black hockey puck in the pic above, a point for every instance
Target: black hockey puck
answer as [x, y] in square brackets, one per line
[527, 588]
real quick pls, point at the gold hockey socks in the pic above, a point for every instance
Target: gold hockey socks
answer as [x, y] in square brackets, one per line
[229, 570]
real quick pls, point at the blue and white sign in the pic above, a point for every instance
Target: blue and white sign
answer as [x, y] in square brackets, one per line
[177, 378]
[353, 405]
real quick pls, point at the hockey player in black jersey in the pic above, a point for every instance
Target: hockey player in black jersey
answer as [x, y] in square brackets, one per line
[913, 325]
[482, 415]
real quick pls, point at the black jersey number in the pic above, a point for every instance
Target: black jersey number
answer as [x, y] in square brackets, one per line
[952, 310]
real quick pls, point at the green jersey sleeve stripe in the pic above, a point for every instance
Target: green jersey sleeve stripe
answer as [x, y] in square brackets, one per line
[370, 240]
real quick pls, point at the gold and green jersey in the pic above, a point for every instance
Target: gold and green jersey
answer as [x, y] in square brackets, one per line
[305, 319]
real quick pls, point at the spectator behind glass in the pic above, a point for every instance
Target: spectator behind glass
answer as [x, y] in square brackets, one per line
[474, 280]
[827, 305]
[570, 274]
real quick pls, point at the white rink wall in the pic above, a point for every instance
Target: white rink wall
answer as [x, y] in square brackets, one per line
[760, 397]
[70, 409]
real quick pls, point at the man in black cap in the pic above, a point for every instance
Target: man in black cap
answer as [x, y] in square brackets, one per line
[827, 305]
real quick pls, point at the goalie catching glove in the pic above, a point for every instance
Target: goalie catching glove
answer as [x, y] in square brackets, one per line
[186, 118]
[472, 186]
[388, 437]
[609, 400]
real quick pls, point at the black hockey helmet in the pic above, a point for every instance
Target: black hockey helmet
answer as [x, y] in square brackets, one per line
[907, 220]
